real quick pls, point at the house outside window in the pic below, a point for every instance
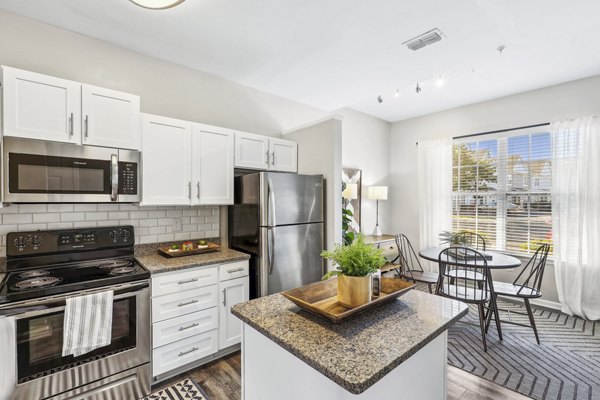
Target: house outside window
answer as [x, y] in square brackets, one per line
[501, 189]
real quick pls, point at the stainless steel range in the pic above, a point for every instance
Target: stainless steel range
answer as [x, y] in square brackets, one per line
[44, 268]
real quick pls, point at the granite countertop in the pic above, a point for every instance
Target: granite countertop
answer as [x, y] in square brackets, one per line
[360, 351]
[156, 263]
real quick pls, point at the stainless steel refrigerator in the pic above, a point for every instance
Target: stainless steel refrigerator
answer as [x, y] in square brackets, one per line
[278, 219]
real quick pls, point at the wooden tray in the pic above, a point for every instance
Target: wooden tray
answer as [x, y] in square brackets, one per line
[181, 253]
[321, 298]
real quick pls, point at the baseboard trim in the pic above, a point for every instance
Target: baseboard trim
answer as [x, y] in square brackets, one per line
[552, 305]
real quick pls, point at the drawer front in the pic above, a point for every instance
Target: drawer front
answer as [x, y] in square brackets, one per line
[184, 280]
[233, 270]
[388, 248]
[184, 351]
[182, 303]
[183, 327]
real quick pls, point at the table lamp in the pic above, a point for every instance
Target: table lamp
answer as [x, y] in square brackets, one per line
[350, 193]
[377, 193]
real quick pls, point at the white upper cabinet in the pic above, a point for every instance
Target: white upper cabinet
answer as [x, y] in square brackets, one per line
[251, 151]
[37, 106]
[42, 107]
[283, 155]
[212, 165]
[166, 161]
[110, 118]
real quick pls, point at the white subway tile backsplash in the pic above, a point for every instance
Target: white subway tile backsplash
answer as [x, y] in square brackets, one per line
[151, 223]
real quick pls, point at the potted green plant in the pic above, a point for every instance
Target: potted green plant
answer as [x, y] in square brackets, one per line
[354, 265]
[451, 239]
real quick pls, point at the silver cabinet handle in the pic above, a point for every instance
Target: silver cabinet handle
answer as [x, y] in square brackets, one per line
[273, 159]
[198, 190]
[85, 126]
[114, 176]
[231, 271]
[188, 281]
[71, 125]
[190, 189]
[183, 328]
[267, 157]
[187, 304]
[183, 353]
[225, 297]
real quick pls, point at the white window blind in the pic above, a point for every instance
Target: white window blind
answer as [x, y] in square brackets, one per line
[501, 189]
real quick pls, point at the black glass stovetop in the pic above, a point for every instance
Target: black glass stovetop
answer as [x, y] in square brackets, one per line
[42, 281]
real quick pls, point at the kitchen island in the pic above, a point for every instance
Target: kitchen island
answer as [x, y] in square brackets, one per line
[396, 351]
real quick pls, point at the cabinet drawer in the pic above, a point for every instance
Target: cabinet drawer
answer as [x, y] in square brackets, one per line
[183, 327]
[183, 280]
[189, 301]
[233, 270]
[184, 351]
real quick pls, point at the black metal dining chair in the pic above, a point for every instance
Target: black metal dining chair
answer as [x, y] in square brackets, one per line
[475, 241]
[410, 266]
[466, 290]
[526, 286]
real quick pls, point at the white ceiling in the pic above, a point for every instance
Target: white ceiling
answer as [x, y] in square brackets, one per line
[336, 53]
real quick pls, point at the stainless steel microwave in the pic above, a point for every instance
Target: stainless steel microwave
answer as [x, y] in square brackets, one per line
[37, 171]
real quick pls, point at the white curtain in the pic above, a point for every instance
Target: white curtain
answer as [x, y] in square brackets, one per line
[576, 214]
[435, 192]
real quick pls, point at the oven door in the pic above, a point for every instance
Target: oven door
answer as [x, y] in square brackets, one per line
[37, 171]
[40, 370]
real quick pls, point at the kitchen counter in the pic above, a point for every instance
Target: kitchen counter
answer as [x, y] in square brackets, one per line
[157, 263]
[354, 354]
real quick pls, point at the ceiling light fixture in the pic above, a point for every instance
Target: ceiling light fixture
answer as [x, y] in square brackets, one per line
[418, 88]
[157, 4]
[439, 81]
[501, 49]
[397, 94]
[379, 99]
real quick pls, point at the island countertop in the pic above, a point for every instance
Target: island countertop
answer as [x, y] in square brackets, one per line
[156, 263]
[356, 353]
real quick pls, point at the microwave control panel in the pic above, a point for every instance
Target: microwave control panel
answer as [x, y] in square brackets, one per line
[128, 177]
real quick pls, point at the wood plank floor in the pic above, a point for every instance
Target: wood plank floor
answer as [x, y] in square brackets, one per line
[222, 381]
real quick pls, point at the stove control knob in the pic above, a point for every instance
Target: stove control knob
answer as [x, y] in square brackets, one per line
[125, 235]
[113, 235]
[20, 242]
[36, 241]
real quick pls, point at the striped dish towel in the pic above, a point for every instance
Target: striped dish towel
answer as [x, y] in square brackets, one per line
[88, 323]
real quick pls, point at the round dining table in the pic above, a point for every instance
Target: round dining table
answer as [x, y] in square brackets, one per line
[498, 261]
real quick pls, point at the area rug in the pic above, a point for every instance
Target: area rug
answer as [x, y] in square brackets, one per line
[565, 366]
[185, 389]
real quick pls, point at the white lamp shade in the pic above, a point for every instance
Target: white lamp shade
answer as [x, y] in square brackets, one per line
[351, 191]
[377, 192]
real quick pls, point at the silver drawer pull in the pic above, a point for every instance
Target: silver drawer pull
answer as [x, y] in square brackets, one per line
[183, 328]
[187, 304]
[183, 353]
[188, 281]
[231, 271]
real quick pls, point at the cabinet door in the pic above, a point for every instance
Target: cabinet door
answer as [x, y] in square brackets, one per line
[166, 161]
[110, 118]
[230, 327]
[251, 151]
[283, 155]
[212, 165]
[42, 107]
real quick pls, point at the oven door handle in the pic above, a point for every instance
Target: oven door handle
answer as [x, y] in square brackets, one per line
[55, 304]
[114, 177]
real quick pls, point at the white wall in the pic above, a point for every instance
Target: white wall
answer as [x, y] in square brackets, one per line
[320, 152]
[165, 88]
[573, 99]
[365, 145]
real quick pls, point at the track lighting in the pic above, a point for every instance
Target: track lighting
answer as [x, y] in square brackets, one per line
[418, 88]
[379, 99]
[397, 94]
[439, 81]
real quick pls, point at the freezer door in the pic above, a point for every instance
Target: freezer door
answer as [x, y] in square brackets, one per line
[290, 257]
[288, 199]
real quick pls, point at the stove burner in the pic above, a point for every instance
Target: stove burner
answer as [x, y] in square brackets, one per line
[34, 283]
[122, 270]
[34, 274]
[114, 264]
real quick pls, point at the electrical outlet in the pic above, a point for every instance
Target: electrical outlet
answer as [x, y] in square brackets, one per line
[177, 225]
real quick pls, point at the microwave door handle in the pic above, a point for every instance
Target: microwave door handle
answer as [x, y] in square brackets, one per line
[114, 176]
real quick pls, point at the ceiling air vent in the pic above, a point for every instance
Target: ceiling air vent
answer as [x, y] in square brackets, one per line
[416, 43]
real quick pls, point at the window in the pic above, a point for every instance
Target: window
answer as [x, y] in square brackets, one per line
[501, 190]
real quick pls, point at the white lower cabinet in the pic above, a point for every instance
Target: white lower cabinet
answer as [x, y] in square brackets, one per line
[191, 317]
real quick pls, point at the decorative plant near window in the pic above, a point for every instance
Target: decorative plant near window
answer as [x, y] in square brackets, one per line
[347, 234]
[450, 238]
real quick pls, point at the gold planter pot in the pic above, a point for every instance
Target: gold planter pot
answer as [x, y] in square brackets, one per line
[354, 291]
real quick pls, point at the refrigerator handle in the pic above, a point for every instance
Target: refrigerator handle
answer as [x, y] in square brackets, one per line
[270, 248]
[270, 205]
